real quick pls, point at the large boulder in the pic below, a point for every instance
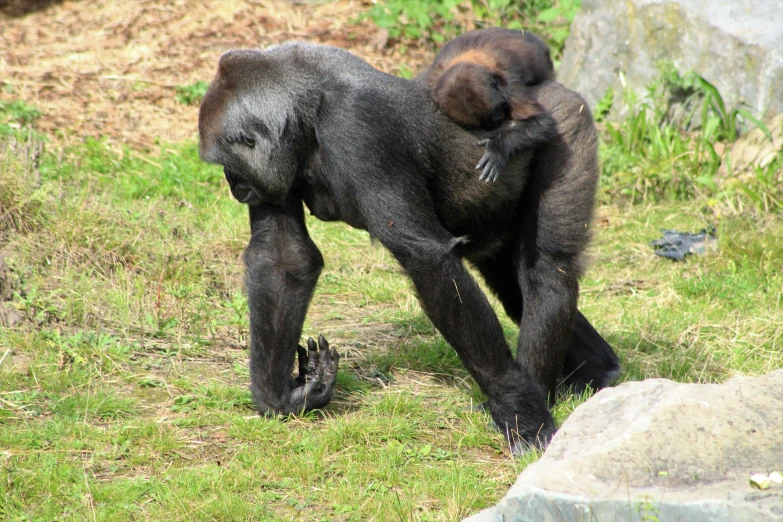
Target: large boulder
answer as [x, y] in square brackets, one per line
[659, 450]
[735, 45]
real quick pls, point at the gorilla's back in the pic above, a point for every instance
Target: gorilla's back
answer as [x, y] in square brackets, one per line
[415, 125]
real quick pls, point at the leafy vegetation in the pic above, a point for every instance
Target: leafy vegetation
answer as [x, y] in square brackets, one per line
[669, 143]
[412, 20]
[436, 21]
[191, 94]
[16, 118]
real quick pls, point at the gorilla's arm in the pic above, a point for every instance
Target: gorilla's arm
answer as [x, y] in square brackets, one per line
[282, 268]
[558, 204]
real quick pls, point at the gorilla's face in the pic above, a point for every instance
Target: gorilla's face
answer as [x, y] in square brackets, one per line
[246, 127]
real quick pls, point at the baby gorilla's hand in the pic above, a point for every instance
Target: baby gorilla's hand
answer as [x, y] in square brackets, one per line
[493, 160]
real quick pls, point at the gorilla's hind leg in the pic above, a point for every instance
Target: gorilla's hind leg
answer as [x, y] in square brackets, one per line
[590, 360]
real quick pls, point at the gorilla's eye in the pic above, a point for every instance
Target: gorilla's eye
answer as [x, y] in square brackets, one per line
[242, 139]
[247, 141]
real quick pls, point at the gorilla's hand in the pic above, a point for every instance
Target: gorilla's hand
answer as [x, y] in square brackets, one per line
[317, 372]
[494, 159]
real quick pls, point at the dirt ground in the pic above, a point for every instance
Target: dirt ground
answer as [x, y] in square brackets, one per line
[109, 68]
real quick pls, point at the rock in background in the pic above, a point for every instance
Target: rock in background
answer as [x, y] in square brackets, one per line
[658, 450]
[735, 45]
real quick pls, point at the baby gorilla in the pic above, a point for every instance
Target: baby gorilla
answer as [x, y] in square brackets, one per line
[482, 80]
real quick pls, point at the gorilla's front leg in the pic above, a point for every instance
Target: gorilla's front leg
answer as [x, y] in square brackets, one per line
[282, 268]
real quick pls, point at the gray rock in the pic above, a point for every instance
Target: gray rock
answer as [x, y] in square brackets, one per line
[736, 45]
[658, 450]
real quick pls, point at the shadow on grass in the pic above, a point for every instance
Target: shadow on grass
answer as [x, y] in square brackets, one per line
[667, 357]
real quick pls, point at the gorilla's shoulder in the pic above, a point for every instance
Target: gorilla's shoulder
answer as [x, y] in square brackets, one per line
[337, 65]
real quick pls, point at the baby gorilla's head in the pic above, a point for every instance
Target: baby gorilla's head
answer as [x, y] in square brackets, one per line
[472, 95]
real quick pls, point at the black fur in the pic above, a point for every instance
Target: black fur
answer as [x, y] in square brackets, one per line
[484, 79]
[302, 122]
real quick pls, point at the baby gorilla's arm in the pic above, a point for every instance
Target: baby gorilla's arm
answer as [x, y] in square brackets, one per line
[515, 135]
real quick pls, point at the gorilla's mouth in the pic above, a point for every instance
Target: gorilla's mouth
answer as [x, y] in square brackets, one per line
[241, 190]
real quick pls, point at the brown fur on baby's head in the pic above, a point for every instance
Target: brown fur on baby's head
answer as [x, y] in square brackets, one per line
[471, 95]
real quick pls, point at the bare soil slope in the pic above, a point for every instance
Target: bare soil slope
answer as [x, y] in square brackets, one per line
[108, 68]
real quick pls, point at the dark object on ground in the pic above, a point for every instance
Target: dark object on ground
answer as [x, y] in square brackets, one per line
[315, 124]
[676, 245]
[483, 79]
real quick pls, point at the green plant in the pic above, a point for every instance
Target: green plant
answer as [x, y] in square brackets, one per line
[17, 119]
[645, 158]
[604, 105]
[554, 22]
[763, 186]
[191, 94]
[415, 20]
[18, 111]
[693, 103]
[436, 21]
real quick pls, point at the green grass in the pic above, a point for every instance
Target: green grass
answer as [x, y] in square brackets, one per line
[124, 391]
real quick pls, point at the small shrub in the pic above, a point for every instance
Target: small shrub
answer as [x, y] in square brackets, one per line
[413, 20]
[18, 111]
[435, 21]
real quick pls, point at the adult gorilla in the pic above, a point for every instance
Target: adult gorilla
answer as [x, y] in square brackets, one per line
[302, 122]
